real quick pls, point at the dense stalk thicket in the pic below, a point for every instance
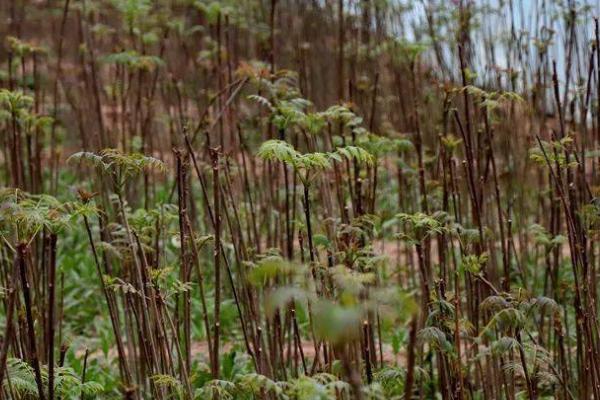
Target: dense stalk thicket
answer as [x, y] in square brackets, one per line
[295, 199]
